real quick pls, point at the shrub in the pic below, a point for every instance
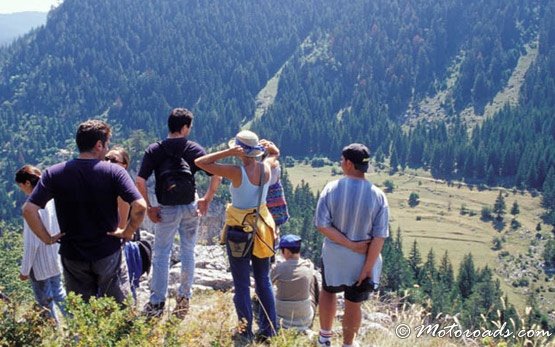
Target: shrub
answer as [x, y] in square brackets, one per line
[21, 325]
[486, 214]
[11, 251]
[414, 199]
[463, 211]
[289, 161]
[497, 243]
[522, 282]
[389, 186]
[317, 162]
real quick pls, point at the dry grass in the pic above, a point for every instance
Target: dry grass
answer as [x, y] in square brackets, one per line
[443, 228]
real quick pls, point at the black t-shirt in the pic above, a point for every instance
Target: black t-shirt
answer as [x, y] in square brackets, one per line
[155, 155]
[85, 192]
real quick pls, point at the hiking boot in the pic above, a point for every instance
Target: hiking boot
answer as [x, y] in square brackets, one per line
[154, 310]
[181, 308]
[261, 339]
[241, 339]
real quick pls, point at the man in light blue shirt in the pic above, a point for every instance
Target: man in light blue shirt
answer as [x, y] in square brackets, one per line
[353, 215]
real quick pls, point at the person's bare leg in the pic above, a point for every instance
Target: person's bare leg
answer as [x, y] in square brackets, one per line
[351, 321]
[328, 308]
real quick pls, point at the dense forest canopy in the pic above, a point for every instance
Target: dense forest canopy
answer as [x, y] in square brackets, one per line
[350, 72]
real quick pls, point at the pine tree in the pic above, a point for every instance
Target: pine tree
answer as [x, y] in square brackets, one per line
[393, 161]
[499, 206]
[515, 209]
[445, 272]
[466, 278]
[415, 259]
[428, 274]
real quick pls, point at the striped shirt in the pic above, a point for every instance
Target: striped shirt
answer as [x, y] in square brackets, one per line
[42, 258]
[359, 210]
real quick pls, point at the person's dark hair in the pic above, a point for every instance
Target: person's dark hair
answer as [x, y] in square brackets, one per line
[28, 173]
[89, 132]
[295, 250]
[178, 118]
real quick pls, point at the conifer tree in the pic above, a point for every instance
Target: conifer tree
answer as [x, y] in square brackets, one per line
[415, 260]
[466, 278]
[428, 275]
[397, 273]
[445, 272]
[499, 207]
[515, 209]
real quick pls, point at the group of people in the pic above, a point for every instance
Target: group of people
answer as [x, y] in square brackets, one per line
[97, 207]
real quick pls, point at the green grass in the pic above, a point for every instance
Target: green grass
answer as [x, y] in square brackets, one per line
[443, 228]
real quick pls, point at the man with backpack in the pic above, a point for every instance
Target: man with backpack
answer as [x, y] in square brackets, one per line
[173, 163]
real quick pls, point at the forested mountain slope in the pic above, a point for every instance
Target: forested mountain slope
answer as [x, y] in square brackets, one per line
[350, 73]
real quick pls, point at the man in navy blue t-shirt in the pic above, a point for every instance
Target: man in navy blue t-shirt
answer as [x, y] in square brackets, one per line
[85, 191]
[172, 216]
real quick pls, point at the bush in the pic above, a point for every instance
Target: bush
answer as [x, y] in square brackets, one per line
[414, 199]
[22, 326]
[486, 214]
[11, 251]
[389, 186]
[522, 282]
[289, 161]
[336, 171]
[497, 243]
[463, 211]
[317, 162]
[515, 224]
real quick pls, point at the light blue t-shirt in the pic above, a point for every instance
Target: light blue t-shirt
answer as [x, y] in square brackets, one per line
[360, 211]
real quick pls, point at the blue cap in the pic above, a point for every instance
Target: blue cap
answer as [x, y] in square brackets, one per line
[290, 241]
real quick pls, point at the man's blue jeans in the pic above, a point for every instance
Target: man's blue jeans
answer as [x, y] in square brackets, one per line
[240, 271]
[182, 218]
[49, 291]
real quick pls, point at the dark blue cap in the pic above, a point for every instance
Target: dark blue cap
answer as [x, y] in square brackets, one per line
[290, 241]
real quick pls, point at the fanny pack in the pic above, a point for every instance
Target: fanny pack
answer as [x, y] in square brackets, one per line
[240, 242]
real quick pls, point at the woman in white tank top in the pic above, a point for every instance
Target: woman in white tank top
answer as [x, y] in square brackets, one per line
[246, 182]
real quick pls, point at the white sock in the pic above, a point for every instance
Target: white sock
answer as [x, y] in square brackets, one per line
[325, 335]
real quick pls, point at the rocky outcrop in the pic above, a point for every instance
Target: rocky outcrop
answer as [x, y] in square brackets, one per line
[211, 270]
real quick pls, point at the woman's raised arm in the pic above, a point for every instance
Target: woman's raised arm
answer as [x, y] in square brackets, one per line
[209, 164]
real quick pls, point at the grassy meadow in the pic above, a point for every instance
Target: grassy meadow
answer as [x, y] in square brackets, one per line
[436, 222]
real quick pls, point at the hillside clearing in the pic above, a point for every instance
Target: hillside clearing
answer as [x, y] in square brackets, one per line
[436, 222]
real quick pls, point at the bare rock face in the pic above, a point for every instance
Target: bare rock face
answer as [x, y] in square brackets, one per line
[211, 270]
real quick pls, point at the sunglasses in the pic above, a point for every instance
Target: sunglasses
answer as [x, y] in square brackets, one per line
[113, 160]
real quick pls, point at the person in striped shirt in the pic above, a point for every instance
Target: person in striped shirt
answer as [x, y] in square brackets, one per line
[41, 262]
[353, 215]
